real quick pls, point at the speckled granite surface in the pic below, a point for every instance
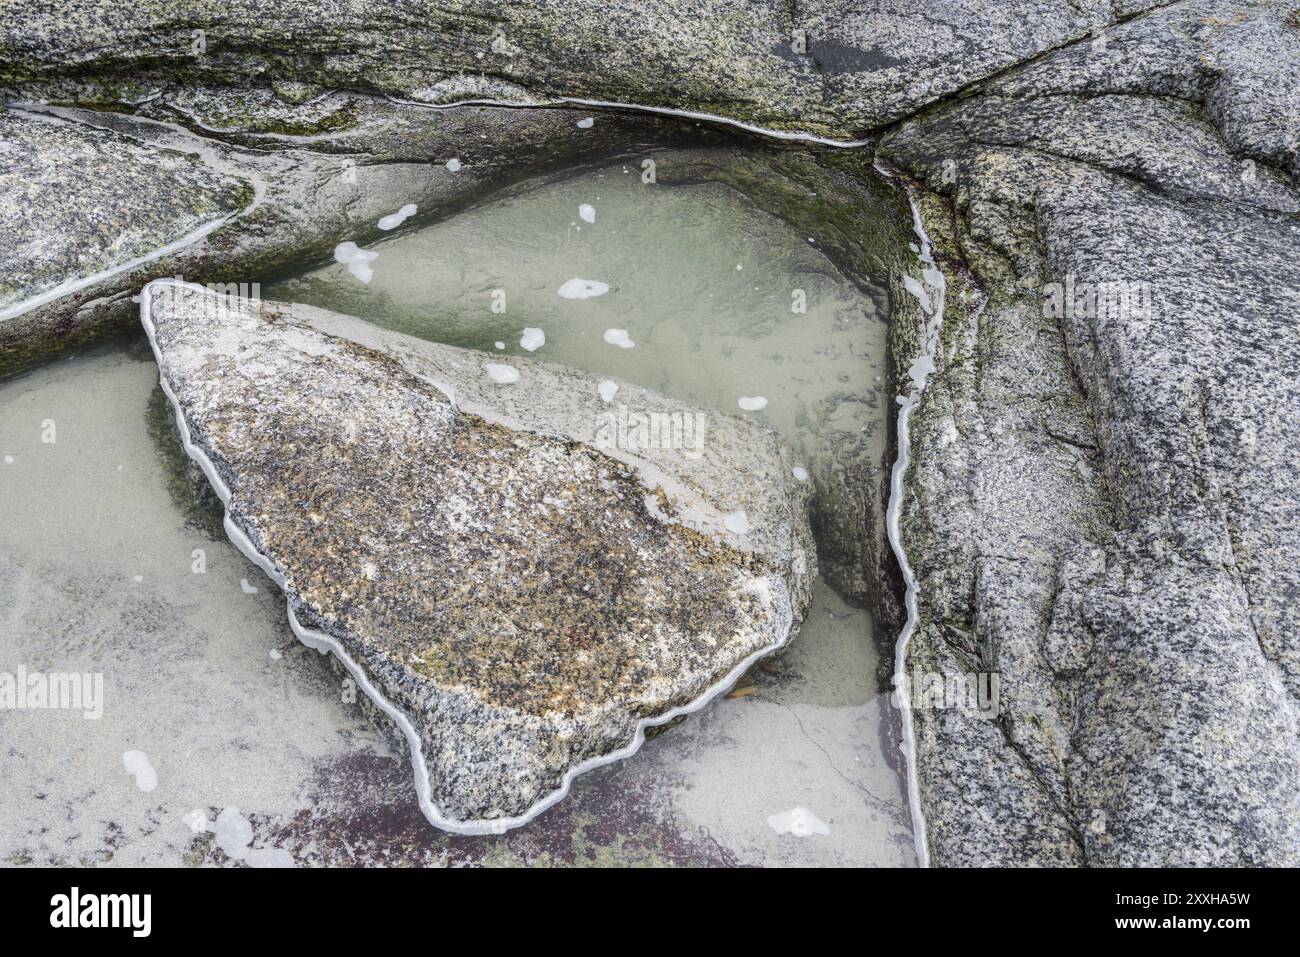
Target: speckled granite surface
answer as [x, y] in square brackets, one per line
[521, 596]
[1099, 505]
[64, 224]
[837, 67]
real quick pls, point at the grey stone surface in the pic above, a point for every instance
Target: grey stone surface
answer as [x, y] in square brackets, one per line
[1099, 507]
[523, 592]
[63, 226]
[1234, 60]
[1120, 472]
[865, 64]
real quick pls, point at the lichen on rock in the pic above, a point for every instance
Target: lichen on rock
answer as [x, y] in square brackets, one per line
[524, 598]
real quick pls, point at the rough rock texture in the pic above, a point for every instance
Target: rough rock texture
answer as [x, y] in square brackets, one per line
[1099, 505]
[522, 590]
[313, 173]
[89, 224]
[277, 184]
[864, 64]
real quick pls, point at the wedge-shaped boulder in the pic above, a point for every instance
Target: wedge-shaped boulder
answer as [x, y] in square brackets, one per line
[522, 574]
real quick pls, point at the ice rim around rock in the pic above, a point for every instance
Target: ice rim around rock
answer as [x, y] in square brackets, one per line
[933, 287]
[325, 643]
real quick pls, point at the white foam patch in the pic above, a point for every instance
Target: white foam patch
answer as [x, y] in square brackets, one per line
[233, 833]
[582, 289]
[800, 473]
[752, 403]
[586, 123]
[799, 822]
[137, 763]
[918, 292]
[920, 370]
[453, 165]
[587, 213]
[501, 373]
[356, 259]
[247, 587]
[349, 252]
[619, 337]
[393, 220]
[197, 821]
[532, 339]
[608, 389]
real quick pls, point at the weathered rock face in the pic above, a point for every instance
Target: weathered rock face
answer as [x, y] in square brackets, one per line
[520, 579]
[87, 225]
[1099, 508]
[833, 66]
[1100, 504]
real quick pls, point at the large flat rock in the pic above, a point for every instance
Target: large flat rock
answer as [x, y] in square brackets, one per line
[837, 67]
[520, 582]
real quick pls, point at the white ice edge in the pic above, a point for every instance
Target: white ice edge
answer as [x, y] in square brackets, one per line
[639, 108]
[894, 531]
[322, 642]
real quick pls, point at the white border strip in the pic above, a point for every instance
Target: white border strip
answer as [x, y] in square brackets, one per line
[934, 278]
[721, 120]
[323, 642]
